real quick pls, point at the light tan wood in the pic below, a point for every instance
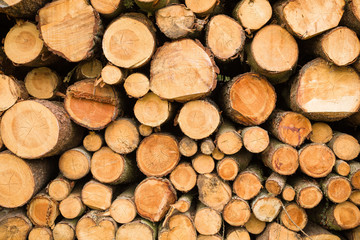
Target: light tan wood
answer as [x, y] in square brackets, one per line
[40, 233]
[65, 230]
[237, 212]
[288, 193]
[228, 140]
[248, 183]
[308, 192]
[183, 204]
[181, 226]
[145, 130]
[207, 146]
[42, 210]
[201, 8]
[237, 234]
[139, 229]
[208, 237]
[14, 224]
[93, 141]
[187, 147]
[321, 133]
[72, 206]
[123, 209]
[255, 139]
[342, 168]
[275, 231]
[203, 163]
[355, 197]
[345, 146]
[217, 154]
[336, 188]
[293, 217]
[275, 183]
[96, 195]
[137, 85]
[254, 225]
[93, 226]
[207, 221]
[75, 163]
[59, 188]
[227, 168]
[183, 177]
[108, 8]
[316, 232]
[265, 206]
[112, 75]
[42, 83]
[11, 91]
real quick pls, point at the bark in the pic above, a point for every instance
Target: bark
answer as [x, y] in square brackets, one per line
[308, 192]
[22, 9]
[293, 217]
[275, 183]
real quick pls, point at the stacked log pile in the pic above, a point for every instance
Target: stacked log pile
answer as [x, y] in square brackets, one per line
[179, 119]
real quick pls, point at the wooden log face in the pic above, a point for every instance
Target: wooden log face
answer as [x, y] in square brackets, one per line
[347, 215]
[96, 195]
[74, 163]
[201, 7]
[247, 185]
[106, 6]
[15, 226]
[309, 197]
[298, 217]
[182, 227]
[92, 227]
[207, 221]
[123, 210]
[135, 230]
[9, 92]
[253, 14]
[183, 177]
[43, 211]
[237, 212]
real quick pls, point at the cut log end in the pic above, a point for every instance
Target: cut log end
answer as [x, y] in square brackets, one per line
[207, 221]
[187, 147]
[254, 225]
[203, 164]
[63, 231]
[321, 133]
[137, 85]
[355, 197]
[243, 189]
[288, 193]
[93, 142]
[237, 212]
[229, 142]
[202, 7]
[293, 217]
[42, 211]
[136, 230]
[96, 195]
[71, 207]
[345, 146]
[75, 163]
[347, 215]
[123, 210]
[42, 233]
[183, 177]
[93, 226]
[112, 75]
[266, 208]
[309, 197]
[227, 169]
[42, 83]
[255, 139]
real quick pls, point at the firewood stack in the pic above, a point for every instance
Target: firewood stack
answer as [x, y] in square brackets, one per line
[188, 119]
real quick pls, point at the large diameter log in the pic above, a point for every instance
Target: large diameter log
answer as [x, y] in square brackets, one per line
[91, 106]
[237, 212]
[21, 8]
[75, 163]
[94, 226]
[308, 192]
[129, 41]
[20, 180]
[42, 210]
[65, 230]
[123, 209]
[266, 207]
[14, 224]
[207, 221]
[96, 195]
[321, 133]
[336, 188]
[249, 99]
[314, 231]
[345, 146]
[275, 231]
[275, 59]
[255, 139]
[249, 182]
[11, 91]
[38, 128]
[42, 83]
[40, 233]
[60, 29]
[312, 93]
[137, 230]
[157, 154]
[174, 76]
[293, 217]
[153, 197]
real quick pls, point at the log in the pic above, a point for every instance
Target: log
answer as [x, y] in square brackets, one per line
[314, 231]
[91, 106]
[21, 179]
[237, 234]
[321, 133]
[56, 24]
[93, 141]
[353, 234]
[248, 183]
[174, 76]
[289, 127]
[112, 75]
[228, 140]
[108, 8]
[354, 175]
[14, 224]
[157, 154]
[229, 167]
[308, 192]
[203, 163]
[355, 197]
[112, 168]
[248, 99]
[42, 210]
[181, 226]
[137, 85]
[144, 130]
[316, 160]
[254, 225]
[75, 163]
[129, 41]
[262, 53]
[345, 146]
[237, 212]
[12, 91]
[183, 177]
[187, 147]
[93, 226]
[72, 207]
[22, 8]
[275, 231]
[60, 188]
[255, 139]
[40, 233]
[280, 157]
[208, 237]
[65, 230]
[198, 119]
[183, 204]
[152, 111]
[252, 14]
[293, 217]
[160, 192]
[265, 206]
[151, 5]
[123, 209]
[137, 230]
[201, 8]
[336, 188]
[207, 221]
[323, 103]
[213, 192]
[351, 17]
[207, 146]
[23, 46]
[88, 69]
[217, 154]
[275, 183]
[96, 195]
[288, 193]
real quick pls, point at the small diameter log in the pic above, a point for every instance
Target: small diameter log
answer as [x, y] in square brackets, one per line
[237, 212]
[96, 195]
[93, 226]
[202, 8]
[157, 154]
[280, 157]
[122, 136]
[152, 111]
[252, 14]
[181, 226]
[112, 168]
[112, 75]
[275, 183]
[207, 221]
[266, 207]
[174, 76]
[249, 99]
[229, 167]
[12, 90]
[225, 37]
[183, 204]
[289, 127]
[23, 46]
[293, 217]
[353, 234]
[65, 230]
[275, 59]
[199, 119]
[336, 188]
[321, 133]
[183, 177]
[151, 5]
[14, 224]
[60, 188]
[342, 168]
[137, 85]
[254, 225]
[75, 163]
[187, 147]
[40, 233]
[237, 234]
[275, 231]
[288, 193]
[355, 197]
[217, 154]
[108, 8]
[338, 217]
[308, 192]
[93, 141]
[129, 41]
[175, 21]
[144, 130]
[72, 45]
[314, 231]
[88, 69]
[207, 146]
[316, 160]
[354, 175]
[340, 46]
[91, 106]
[228, 140]
[345, 146]
[162, 195]
[325, 103]
[123, 209]
[255, 139]
[42, 83]
[42, 210]
[72, 206]
[249, 182]
[21, 8]
[20, 179]
[203, 163]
